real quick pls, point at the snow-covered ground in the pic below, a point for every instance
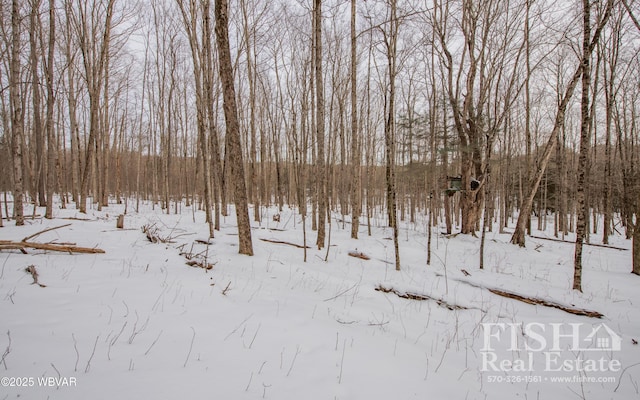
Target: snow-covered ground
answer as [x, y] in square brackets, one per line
[138, 323]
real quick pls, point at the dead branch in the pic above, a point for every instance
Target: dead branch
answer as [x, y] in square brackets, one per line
[588, 244]
[535, 300]
[200, 264]
[226, 289]
[358, 254]
[43, 231]
[419, 297]
[546, 303]
[22, 246]
[34, 273]
[282, 242]
[153, 235]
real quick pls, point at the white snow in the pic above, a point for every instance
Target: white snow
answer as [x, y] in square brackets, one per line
[138, 323]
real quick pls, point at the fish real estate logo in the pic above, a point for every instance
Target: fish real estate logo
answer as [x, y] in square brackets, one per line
[551, 348]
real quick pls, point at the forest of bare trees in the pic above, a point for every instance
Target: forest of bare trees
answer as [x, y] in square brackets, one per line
[476, 114]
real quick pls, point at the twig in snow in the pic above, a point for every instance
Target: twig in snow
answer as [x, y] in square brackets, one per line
[190, 347]
[114, 340]
[226, 289]
[6, 352]
[622, 373]
[75, 346]
[238, 327]
[344, 347]
[88, 367]
[264, 389]
[294, 360]
[255, 335]
[249, 384]
[283, 242]
[341, 293]
[153, 344]
[58, 372]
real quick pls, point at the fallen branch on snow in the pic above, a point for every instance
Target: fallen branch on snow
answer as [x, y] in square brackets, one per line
[606, 246]
[546, 303]
[9, 245]
[421, 297]
[62, 247]
[359, 254]
[200, 264]
[282, 242]
[536, 301]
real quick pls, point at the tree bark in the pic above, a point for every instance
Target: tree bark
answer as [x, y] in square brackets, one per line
[320, 161]
[585, 141]
[17, 124]
[38, 132]
[51, 139]
[356, 203]
[390, 149]
[233, 145]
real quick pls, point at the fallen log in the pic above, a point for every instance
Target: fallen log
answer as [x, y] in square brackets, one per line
[418, 296]
[359, 254]
[22, 246]
[535, 300]
[546, 303]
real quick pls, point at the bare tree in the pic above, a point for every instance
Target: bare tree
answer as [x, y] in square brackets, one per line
[356, 202]
[527, 201]
[321, 176]
[51, 137]
[38, 132]
[94, 38]
[17, 122]
[611, 51]
[391, 43]
[189, 14]
[233, 145]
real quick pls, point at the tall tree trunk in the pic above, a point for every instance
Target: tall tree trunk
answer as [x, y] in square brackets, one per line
[94, 57]
[585, 141]
[51, 139]
[17, 123]
[70, 54]
[356, 203]
[320, 157]
[233, 146]
[38, 132]
[610, 66]
[389, 131]
[254, 196]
